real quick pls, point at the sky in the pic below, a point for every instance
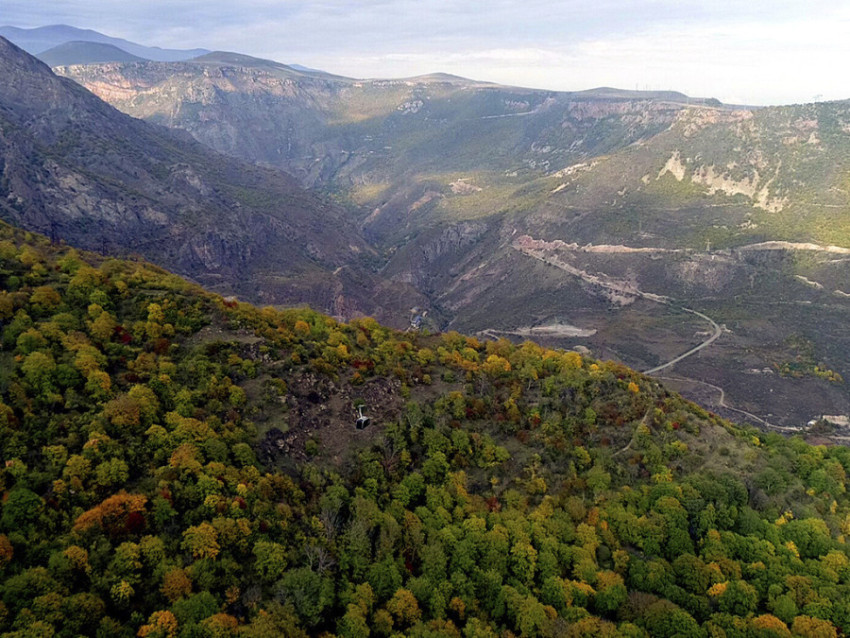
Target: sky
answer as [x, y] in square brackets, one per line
[754, 52]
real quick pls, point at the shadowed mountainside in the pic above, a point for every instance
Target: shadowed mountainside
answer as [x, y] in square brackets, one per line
[40, 39]
[85, 53]
[77, 169]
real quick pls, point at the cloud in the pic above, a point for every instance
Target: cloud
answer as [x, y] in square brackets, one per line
[751, 51]
[750, 61]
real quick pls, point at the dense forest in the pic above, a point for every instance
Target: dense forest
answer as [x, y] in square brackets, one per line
[179, 464]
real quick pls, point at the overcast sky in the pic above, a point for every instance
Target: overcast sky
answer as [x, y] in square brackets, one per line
[740, 51]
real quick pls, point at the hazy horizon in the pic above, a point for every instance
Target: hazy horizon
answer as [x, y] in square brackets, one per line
[754, 53]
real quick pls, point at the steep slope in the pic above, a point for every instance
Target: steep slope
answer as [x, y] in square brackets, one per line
[487, 197]
[41, 39]
[180, 465]
[332, 130]
[77, 169]
[85, 53]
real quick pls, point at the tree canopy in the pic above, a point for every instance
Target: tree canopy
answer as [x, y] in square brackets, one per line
[178, 464]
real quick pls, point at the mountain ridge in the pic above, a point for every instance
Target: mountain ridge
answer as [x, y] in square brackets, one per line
[39, 39]
[77, 169]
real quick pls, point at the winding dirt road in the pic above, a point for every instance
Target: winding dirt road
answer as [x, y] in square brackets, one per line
[722, 403]
[627, 288]
[716, 332]
[622, 288]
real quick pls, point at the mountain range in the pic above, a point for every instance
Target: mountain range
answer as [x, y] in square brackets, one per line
[639, 225]
[76, 169]
[41, 39]
[728, 211]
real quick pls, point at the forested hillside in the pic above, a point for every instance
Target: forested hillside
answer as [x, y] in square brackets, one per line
[177, 464]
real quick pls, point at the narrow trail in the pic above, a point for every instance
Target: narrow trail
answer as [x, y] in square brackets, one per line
[722, 403]
[767, 424]
[628, 446]
[539, 331]
[717, 331]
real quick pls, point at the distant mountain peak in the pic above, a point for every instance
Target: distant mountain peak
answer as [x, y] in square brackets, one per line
[82, 52]
[41, 39]
[440, 76]
[229, 58]
[611, 93]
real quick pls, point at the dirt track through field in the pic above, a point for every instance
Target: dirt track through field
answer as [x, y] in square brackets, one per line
[716, 332]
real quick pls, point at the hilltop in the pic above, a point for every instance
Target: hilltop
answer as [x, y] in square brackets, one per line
[85, 53]
[181, 464]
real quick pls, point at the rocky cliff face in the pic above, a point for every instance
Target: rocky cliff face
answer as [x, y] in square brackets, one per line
[401, 147]
[76, 169]
[327, 129]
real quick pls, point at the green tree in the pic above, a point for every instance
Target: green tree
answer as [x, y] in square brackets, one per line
[663, 619]
[404, 607]
[309, 593]
[270, 560]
